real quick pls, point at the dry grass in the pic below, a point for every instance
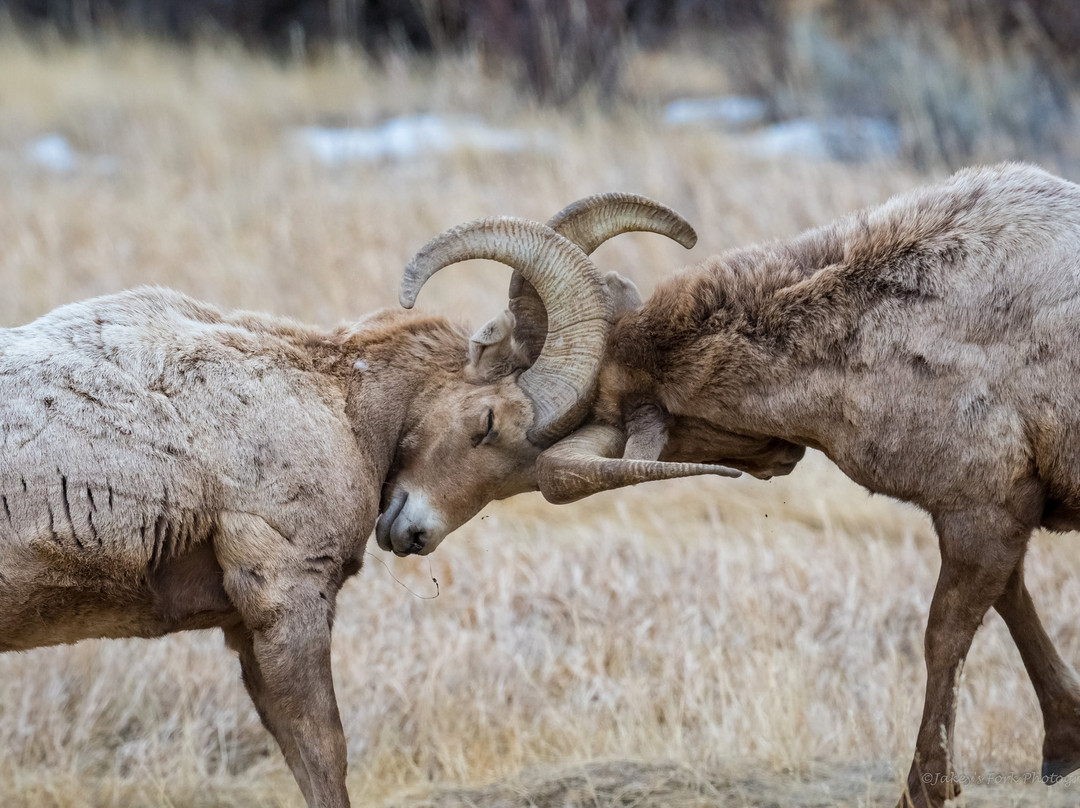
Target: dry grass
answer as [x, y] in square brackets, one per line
[766, 638]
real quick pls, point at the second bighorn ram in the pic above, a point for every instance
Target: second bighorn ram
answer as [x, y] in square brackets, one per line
[929, 347]
[165, 465]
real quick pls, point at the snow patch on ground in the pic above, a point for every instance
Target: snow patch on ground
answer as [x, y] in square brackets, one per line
[734, 111]
[415, 136]
[852, 139]
[54, 153]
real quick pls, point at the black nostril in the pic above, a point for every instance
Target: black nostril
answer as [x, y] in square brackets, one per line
[416, 540]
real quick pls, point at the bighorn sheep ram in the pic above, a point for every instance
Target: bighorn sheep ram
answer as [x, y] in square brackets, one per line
[927, 346]
[166, 466]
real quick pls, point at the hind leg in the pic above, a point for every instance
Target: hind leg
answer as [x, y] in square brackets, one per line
[979, 551]
[1056, 683]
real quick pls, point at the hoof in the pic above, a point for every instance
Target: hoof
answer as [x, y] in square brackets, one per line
[930, 791]
[1061, 751]
[1055, 770]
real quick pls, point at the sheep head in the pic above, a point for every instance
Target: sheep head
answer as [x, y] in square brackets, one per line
[466, 445]
[531, 372]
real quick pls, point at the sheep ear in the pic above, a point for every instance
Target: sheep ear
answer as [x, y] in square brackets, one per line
[493, 352]
[622, 292]
[646, 429]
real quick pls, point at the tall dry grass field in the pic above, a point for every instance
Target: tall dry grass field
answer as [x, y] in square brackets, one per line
[702, 642]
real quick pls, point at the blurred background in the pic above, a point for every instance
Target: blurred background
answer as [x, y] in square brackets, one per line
[693, 643]
[929, 80]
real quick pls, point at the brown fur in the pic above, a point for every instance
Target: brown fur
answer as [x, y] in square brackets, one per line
[929, 347]
[168, 466]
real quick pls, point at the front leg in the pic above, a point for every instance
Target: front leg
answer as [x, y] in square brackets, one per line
[287, 610]
[241, 640]
[978, 554]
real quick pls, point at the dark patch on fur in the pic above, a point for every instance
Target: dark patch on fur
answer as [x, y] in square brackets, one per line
[93, 528]
[351, 567]
[1039, 353]
[1060, 516]
[67, 509]
[52, 524]
[922, 367]
[161, 529]
[94, 400]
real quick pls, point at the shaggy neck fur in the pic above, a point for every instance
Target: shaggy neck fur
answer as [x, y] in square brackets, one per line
[759, 339]
[388, 361]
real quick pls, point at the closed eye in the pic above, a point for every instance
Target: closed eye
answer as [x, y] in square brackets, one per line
[478, 438]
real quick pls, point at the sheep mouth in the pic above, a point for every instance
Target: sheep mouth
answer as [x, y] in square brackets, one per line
[769, 465]
[387, 518]
[769, 471]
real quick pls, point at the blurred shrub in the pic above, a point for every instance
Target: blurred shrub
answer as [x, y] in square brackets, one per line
[562, 46]
[960, 79]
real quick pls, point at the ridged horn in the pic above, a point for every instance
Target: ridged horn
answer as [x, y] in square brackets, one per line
[561, 381]
[590, 222]
[588, 462]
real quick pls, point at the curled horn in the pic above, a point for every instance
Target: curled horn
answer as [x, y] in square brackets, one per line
[588, 223]
[561, 381]
[591, 221]
[588, 461]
